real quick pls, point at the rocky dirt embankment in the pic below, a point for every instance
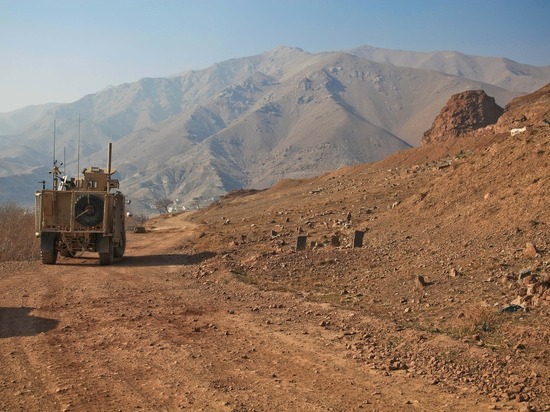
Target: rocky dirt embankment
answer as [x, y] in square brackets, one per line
[451, 282]
[526, 112]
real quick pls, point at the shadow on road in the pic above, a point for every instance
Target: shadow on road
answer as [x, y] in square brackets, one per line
[147, 260]
[19, 322]
[165, 259]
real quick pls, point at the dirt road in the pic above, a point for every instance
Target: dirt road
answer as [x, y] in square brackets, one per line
[169, 328]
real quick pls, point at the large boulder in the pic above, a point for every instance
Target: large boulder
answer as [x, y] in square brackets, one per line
[463, 113]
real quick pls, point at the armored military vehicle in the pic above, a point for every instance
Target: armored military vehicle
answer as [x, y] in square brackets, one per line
[81, 215]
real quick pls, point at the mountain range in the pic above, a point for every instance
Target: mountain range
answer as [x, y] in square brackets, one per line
[249, 122]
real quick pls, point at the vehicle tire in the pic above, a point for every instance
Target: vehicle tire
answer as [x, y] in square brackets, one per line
[88, 210]
[106, 258]
[119, 250]
[48, 258]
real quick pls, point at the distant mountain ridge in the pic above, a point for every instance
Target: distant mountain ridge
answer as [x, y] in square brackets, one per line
[499, 71]
[244, 122]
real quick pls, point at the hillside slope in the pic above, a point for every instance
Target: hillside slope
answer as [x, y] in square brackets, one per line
[240, 123]
[335, 110]
[454, 232]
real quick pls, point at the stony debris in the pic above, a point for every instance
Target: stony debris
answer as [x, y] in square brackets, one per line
[530, 250]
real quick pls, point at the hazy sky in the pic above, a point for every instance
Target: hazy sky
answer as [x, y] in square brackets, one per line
[61, 50]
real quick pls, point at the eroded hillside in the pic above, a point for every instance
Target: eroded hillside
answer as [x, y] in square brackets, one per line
[453, 273]
[242, 123]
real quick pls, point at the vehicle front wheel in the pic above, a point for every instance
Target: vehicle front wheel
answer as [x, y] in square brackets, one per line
[106, 258]
[120, 248]
[49, 258]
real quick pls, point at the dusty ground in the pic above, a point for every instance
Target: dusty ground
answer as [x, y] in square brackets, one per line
[217, 311]
[172, 329]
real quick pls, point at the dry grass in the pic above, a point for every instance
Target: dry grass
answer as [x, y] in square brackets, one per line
[17, 240]
[474, 320]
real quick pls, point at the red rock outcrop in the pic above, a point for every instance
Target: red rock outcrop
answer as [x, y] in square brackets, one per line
[463, 113]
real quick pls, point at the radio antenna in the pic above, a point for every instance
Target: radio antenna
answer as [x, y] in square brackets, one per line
[54, 171]
[53, 142]
[109, 155]
[78, 152]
